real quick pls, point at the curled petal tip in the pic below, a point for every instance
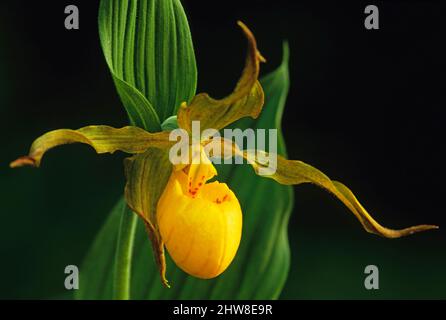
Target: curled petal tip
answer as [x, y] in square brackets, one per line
[250, 35]
[422, 227]
[389, 233]
[241, 24]
[166, 284]
[245, 29]
[23, 161]
[261, 58]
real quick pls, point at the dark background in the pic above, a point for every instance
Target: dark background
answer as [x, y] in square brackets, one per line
[365, 106]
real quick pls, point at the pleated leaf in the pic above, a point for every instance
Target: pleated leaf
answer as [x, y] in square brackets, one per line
[96, 272]
[148, 48]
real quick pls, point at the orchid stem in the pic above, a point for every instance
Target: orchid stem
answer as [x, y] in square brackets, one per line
[124, 252]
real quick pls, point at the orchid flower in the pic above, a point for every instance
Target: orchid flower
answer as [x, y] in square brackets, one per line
[198, 221]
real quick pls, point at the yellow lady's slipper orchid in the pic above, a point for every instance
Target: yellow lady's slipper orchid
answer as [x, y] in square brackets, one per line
[199, 222]
[201, 226]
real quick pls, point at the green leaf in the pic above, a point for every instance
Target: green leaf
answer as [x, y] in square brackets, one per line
[148, 48]
[124, 255]
[96, 273]
[170, 124]
[260, 268]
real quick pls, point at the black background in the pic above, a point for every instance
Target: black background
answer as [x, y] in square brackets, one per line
[365, 106]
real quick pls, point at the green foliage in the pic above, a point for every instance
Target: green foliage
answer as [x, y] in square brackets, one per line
[148, 48]
[98, 266]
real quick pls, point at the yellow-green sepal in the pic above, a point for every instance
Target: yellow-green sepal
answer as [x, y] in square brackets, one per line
[246, 100]
[147, 175]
